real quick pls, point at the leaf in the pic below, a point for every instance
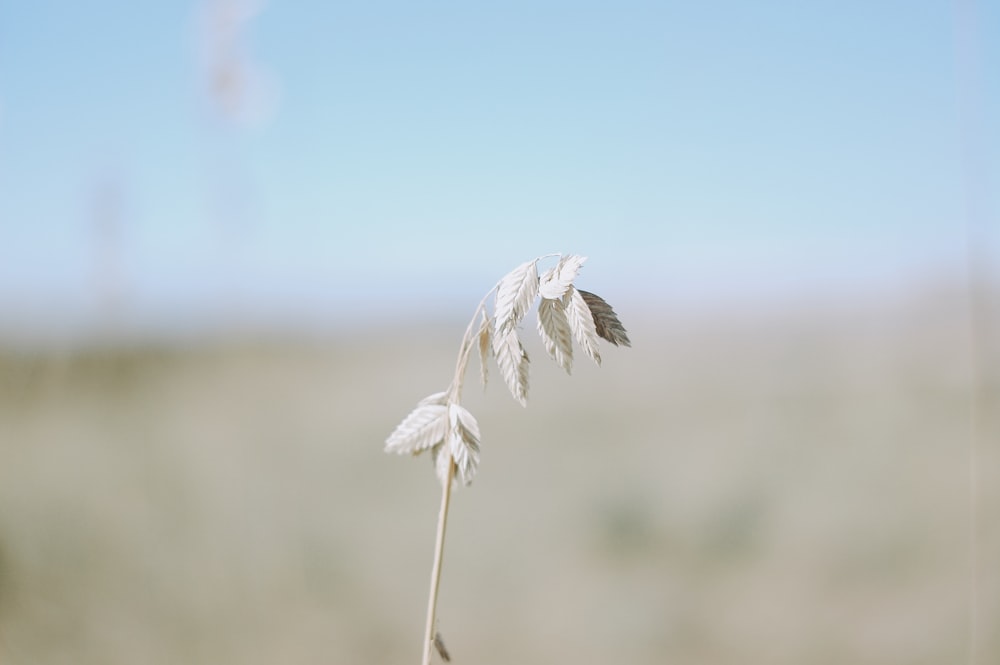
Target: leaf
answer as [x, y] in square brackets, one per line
[484, 348]
[555, 282]
[512, 360]
[463, 442]
[515, 293]
[425, 427]
[581, 322]
[606, 322]
[553, 328]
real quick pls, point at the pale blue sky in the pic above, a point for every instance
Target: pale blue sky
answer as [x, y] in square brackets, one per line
[413, 152]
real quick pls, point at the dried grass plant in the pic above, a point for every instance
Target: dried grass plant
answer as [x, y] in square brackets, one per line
[442, 425]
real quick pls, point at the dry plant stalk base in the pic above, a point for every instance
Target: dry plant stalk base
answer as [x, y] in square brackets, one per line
[442, 425]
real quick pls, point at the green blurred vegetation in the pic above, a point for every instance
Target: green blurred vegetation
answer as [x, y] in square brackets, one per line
[784, 486]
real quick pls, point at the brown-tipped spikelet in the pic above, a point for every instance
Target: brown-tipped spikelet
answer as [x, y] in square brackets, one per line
[605, 320]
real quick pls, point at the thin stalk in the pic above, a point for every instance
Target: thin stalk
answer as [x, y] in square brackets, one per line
[438, 556]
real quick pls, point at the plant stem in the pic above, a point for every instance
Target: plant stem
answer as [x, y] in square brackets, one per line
[438, 556]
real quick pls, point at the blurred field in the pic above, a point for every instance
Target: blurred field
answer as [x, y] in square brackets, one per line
[781, 486]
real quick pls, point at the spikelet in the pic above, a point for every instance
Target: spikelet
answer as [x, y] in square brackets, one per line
[554, 283]
[463, 442]
[581, 322]
[442, 651]
[606, 322]
[441, 457]
[553, 328]
[512, 360]
[484, 336]
[425, 427]
[515, 293]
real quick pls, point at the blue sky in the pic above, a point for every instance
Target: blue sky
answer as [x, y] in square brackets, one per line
[401, 154]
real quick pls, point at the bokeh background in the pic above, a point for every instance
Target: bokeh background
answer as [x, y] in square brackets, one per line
[239, 240]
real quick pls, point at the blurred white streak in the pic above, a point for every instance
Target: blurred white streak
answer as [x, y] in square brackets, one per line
[243, 92]
[978, 216]
[107, 217]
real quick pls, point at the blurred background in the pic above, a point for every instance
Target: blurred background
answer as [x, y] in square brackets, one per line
[239, 240]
